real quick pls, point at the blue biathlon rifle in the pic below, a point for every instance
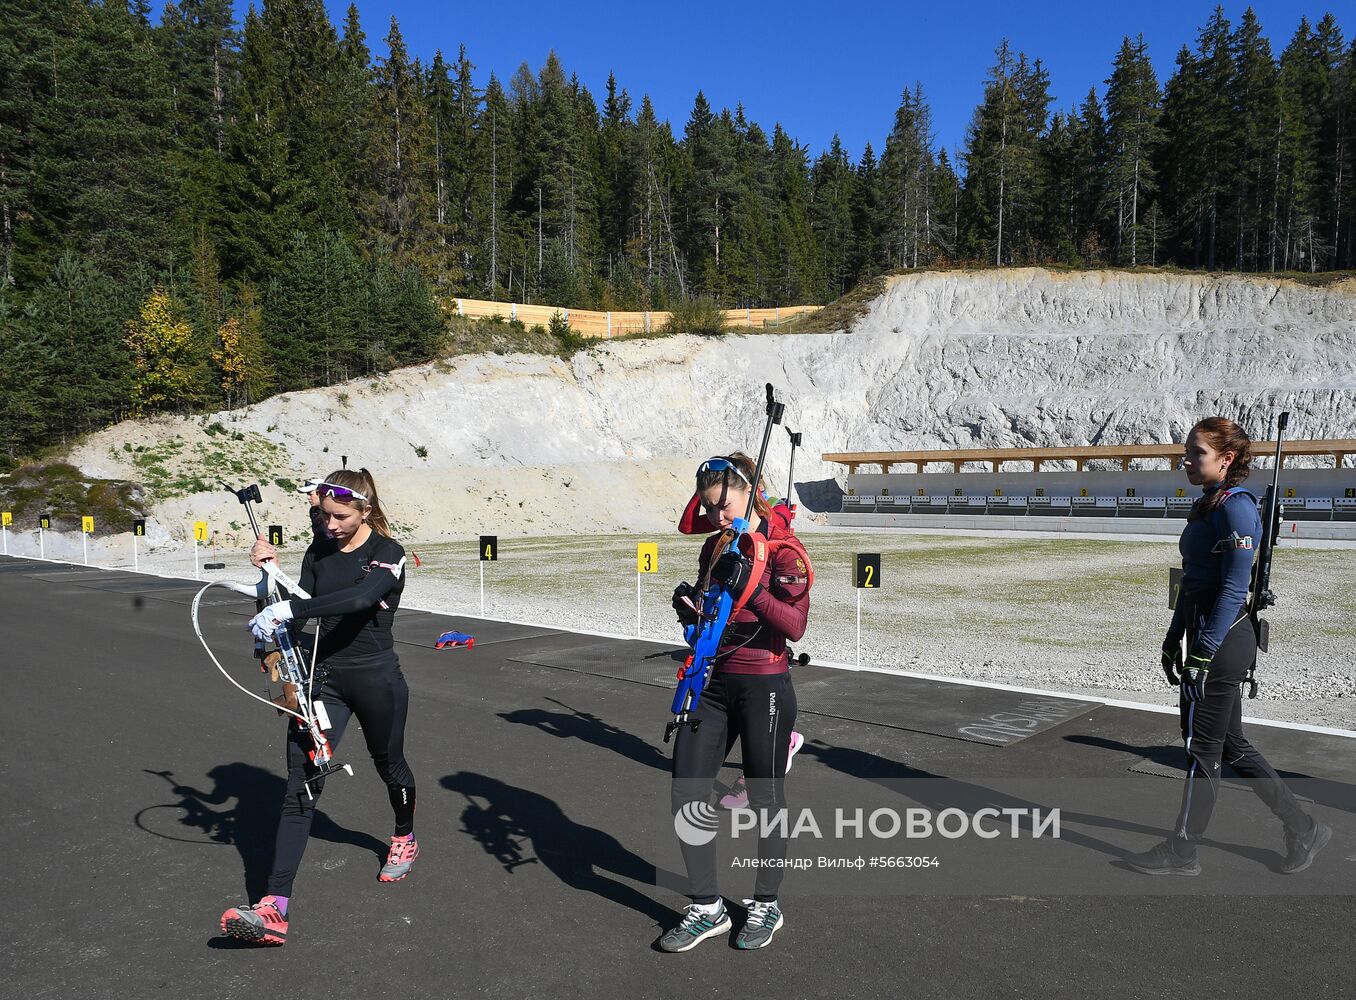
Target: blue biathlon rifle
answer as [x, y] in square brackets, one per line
[284, 662]
[718, 604]
[1262, 596]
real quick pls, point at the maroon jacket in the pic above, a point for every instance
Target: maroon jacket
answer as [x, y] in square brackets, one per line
[755, 640]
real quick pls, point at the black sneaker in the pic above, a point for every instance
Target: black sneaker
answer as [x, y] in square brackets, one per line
[1300, 851]
[694, 928]
[1161, 859]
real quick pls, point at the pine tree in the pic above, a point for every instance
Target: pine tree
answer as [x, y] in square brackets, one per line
[66, 367]
[404, 214]
[1302, 96]
[1132, 102]
[27, 52]
[104, 180]
[906, 170]
[868, 252]
[1004, 177]
[1255, 99]
[832, 193]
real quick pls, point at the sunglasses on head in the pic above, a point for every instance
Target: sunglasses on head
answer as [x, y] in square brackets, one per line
[719, 465]
[339, 492]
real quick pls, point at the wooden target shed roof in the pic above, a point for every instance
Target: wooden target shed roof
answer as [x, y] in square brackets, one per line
[1080, 455]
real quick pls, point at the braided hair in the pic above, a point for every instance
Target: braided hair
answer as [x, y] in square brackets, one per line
[1222, 434]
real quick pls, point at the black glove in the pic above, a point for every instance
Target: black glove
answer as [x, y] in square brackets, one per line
[683, 593]
[732, 572]
[1172, 662]
[1194, 674]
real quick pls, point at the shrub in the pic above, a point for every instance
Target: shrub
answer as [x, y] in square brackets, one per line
[700, 315]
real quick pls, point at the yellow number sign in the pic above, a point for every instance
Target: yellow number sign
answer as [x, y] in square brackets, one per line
[87, 525]
[200, 531]
[7, 518]
[1290, 491]
[647, 557]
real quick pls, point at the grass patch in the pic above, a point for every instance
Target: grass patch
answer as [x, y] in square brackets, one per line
[174, 468]
[60, 489]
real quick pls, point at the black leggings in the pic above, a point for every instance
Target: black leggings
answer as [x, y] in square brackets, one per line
[759, 709]
[1213, 731]
[379, 697]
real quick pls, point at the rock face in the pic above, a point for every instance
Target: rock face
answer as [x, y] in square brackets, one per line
[608, 440]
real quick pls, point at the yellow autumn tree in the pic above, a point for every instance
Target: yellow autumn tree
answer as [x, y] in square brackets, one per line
[165, 370]
[230, 361]
[253, 378]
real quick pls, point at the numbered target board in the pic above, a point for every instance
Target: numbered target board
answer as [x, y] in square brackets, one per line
[867, 571]
[489, 548]
[275, 534]
[647, 557]
[200, 531]
[87, 525]
[1174, 586]
[139, 527]
[45, 522]
[6, 518]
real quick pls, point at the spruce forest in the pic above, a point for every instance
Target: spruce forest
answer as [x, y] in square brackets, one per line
[198, 213]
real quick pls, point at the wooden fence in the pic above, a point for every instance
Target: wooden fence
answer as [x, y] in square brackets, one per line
[591, 323]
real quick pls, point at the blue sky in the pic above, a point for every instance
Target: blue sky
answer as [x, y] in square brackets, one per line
[816, 67]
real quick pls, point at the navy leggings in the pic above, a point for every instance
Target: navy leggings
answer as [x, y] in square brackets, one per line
[379, 697]
[1213, 732]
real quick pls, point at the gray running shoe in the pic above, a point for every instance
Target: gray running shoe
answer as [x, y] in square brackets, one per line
[694, 928]
[1300, 851]
[765, 919]
[1161, 859]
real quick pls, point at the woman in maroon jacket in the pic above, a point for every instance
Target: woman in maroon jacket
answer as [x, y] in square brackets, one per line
[749, 697]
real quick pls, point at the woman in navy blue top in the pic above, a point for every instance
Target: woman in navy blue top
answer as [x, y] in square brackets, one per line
[1218, 547]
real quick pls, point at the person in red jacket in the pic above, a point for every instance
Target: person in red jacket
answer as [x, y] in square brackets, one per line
[748, 698]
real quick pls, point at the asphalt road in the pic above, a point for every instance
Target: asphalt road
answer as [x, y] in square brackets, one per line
[141, 793]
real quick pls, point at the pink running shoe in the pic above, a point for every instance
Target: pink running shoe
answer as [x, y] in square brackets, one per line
[797, 741]
[262, 923]
[401, 859]
[738, 795]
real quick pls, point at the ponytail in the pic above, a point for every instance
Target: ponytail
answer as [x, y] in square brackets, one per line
[746, 467]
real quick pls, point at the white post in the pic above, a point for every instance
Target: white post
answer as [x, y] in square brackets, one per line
[859, 627]
[5, 531]
[637, 604]
[84, 544]
[195, 560]
[482, 589]
[136, 563]
[42, 543]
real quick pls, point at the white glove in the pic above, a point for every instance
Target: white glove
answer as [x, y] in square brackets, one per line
[268, 621]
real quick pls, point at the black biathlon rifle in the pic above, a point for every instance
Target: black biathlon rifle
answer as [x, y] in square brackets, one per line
[791, 469]
[297, 679]
[1262, 596]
